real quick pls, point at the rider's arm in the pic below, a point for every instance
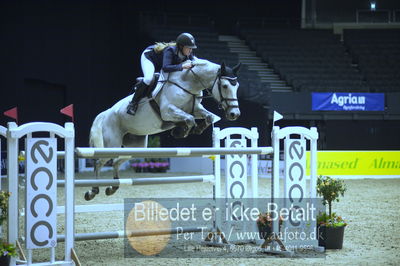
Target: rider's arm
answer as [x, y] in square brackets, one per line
[168, 65]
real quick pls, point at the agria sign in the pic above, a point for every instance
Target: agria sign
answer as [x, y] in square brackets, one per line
[340, 101]
[41, 192]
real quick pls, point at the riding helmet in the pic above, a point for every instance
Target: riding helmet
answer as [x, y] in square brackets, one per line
[186, 39]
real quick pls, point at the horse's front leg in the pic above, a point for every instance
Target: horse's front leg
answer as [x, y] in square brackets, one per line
[99, 163]
[207, 118]
[178, 116]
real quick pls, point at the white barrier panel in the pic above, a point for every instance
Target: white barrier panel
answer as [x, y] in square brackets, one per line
[41, 193]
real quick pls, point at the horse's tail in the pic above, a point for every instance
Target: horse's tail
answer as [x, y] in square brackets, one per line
[96, 132]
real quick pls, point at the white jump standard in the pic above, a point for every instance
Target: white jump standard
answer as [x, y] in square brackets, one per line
[48, 152]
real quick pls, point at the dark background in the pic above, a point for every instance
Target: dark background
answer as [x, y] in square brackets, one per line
[54, 53]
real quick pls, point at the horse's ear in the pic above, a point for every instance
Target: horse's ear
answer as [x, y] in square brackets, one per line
[223, 69]
[236, 68]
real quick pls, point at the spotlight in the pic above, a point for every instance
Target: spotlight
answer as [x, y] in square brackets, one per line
[373, 5]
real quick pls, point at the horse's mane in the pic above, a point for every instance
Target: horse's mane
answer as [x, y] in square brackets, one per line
[200, 62]
[201, 67]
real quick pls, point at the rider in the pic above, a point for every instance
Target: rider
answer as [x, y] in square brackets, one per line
[166, 56]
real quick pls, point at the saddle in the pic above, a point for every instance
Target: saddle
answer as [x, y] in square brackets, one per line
[148, 92]
[152, 85]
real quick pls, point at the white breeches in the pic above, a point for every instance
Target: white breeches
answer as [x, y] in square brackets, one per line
[147, 68]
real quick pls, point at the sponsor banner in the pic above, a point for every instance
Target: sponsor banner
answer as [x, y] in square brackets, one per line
[236, 183]
[41, 193]
[357, 163]
[328, 101]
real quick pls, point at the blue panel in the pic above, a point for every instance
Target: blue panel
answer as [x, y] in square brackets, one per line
[329, 101]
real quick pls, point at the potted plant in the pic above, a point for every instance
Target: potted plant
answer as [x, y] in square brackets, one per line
[6, 249]
[330, 225]
[264, 224]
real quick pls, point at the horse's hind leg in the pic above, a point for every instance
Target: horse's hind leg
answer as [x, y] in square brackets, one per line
[90, 194]
[129, 140]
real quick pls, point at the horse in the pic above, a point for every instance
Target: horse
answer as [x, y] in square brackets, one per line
[178, 95]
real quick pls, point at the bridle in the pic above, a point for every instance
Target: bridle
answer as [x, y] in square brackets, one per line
[218, 78]
[233, 82]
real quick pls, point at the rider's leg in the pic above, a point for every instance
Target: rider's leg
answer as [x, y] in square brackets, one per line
[141, 89]
[148, 72]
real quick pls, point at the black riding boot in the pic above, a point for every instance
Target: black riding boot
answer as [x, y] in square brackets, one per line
[141, 89]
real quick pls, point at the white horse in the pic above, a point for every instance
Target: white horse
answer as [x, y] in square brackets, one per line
[178, 96]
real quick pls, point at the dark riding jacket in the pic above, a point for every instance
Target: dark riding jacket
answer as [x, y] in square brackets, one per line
[168, 60]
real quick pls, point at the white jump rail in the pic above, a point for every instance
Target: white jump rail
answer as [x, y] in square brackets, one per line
[140, 181]
[91, 153]
[122, 234]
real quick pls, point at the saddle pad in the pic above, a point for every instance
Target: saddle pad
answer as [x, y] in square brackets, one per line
[163, 76]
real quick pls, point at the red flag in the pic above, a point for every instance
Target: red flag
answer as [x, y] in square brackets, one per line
[13, 113]
[68, 111]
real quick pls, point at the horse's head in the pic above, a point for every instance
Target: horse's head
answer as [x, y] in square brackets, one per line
[225, 91]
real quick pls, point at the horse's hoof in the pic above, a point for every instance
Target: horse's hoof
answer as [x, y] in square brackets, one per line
[89, 195]
[95, 190]
[110, 191]
[178, 133]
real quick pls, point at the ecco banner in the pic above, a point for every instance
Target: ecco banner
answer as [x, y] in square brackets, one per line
[41, 192]
[295, 186]
[236, 171]
[236, 188]
[338, 101]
